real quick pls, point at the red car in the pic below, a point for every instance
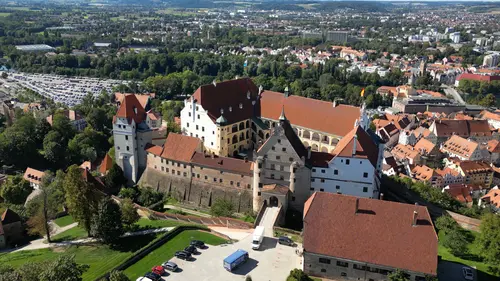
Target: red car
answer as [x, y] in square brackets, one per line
[158, 270]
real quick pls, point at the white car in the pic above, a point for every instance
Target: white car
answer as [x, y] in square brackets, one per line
[467, 272]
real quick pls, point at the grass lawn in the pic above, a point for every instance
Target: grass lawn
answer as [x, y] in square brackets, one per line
[74, 233]
[167, 250]
[100, 258]
[64, 221]
[150, 224]
[472, 259]
[4, 14]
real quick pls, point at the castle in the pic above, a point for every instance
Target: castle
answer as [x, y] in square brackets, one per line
[244, 144]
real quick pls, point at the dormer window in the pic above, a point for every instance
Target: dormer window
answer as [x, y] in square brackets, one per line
[241, 106]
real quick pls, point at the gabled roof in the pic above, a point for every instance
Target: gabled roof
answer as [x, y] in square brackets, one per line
[377, 232]
[401, 151]
[33, 175]
[106, 164]
[463, 128]
[493, 197]
[460, 193]
[131, 109]
[460, 146]
[143, 99]
[477, 77]
[424, 173]
[275, 189]
[9, 217]
[71, 114]
[309, 113]
[494, 146]
[424, 146]
[179, 147]
[365, 146]
[232, 97]
[223, 163]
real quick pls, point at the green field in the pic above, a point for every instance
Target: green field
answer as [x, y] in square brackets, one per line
[74, 233]
[472, 259]
[101, 259]
[167, 250]
[64, 221]
[4, 14]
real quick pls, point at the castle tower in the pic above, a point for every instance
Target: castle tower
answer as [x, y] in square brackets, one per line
[423, 67]
[259, 162]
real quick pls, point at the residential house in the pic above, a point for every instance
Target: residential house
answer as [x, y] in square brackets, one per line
[406, 153]
[34, 177]
[493, 148]
[75, 119]
[429, 151]
[493, 118]
[422, 132]
[460, 193]
[462, 149]
[428, 175]
[367, 239]
[476, 130]
[450, 176]
[491, 200]
[407, 137]
[473, 172]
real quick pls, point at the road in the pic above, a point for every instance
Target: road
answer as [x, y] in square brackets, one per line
[268, 219]
[454, 93]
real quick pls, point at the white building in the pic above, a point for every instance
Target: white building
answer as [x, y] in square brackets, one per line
[131, 134]
[455, 37]
[354, 168]
[491, 60]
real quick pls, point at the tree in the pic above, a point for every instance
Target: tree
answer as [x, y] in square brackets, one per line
[489, 238]
[399, 275]
[5, 75]
[64, 268]
[129, 212]
[98, 119]
[114, 178]
[149, 197]
[456, 241]
[15, 190]
[128, 192]
[298, 275]
[81, 199]
[222, 208]
[118, 276]
[107, 223]
[54, 150]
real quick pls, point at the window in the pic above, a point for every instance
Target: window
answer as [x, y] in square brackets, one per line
[359, 267]
[343, 264]
[198, 175]
[189, 114]
[212, 143]
[294, 169]
[323, 270]
[313, 180]
[282, 168]
[178, 173]
[248, 185]
[293, 198]
[278, 157]
[322, 180]
[321, 189]
[272, 166]
[279, 141]
[128, 148]
[258, 194]
[272, 176]
[290, 159]
[323, 260]
[166, 170]
[365, 189]
[206, 177]
[162, 169]
[118, 147]
[314, 171]
[156, 167]
[282, 178]
[337, 187]
[213, 132]
[215, 179]
[220, 180]
[173, 172]
[178, 164]
[184, 166]
[311, 189]
[343, 274]
[187, 125]
[272, 148]
[283, 149]
[322, 171]
[231, 182]
[260, 184]
[335, 172]
[365, 175]
[347, 161]
[203, 129]
[238, 184]
[260, 165]
[198, 116]
[126, 137]
[294, 180]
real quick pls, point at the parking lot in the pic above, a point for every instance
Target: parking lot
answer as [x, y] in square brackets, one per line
[272, 262]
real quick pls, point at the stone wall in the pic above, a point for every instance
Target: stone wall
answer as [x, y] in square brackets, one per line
[196, 192]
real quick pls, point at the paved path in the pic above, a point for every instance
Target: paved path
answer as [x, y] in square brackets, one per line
[188, 211]
[454, 93]
[268, 220]
[42, 244]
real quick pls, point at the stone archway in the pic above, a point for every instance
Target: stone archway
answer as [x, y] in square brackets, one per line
[273, 201]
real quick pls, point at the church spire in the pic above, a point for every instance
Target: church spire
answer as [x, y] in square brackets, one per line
[282, 116]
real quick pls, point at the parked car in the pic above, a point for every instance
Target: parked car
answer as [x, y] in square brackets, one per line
[153, 276]
[158, 270]
[170, 265]
[197, 244]
[183, 255]
[191, 249]
[467, 272]
[283, 240]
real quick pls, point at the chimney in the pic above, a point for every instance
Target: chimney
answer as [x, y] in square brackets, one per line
[354, 144]
[357, 206]
[381, 196]
[415, 215]
[334, 103]
[308, 152]
[214, 83]
[260, 89]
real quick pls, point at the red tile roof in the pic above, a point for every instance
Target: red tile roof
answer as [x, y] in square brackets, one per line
[380, 232]
[223, 163]
[310, 113]
[493, 197]
[477, 77]
[106, 164]
[71, 114]
[179, 147]
[143, 99]
[231, 97]
[33, 176]
[131, 109]
[365, 146]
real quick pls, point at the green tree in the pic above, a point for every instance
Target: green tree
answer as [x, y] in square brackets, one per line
[148, 197]
[114, 178]
[456, 241]
[222, 208]
[298, 275]
[118, 276]
[107, 223]
[98, 119]
[15, 190]
[64, 268]
[81, 199]
[489, 239]
[5, 75]
[445, 223]
[54, 149]
[399, 275]
[128, 192]
[129, 212]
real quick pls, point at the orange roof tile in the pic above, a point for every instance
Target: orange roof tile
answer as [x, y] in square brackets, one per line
[365, 146]
[33, 176]
[131, 109]
[106, 164]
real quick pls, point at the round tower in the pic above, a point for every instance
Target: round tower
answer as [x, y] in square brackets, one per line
[256, 180]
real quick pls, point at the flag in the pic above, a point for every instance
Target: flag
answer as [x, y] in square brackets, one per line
[363, 92]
